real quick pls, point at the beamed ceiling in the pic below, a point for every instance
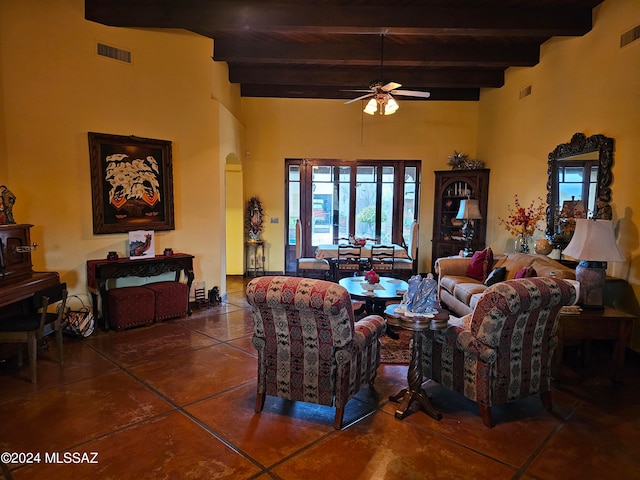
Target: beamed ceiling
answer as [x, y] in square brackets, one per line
[327, 48]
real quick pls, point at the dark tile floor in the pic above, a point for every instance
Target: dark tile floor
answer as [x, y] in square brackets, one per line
[175, 400]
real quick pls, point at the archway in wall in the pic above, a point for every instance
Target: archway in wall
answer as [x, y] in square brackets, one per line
[234, 215]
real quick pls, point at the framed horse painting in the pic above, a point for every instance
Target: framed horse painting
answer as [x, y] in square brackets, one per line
[131, 183]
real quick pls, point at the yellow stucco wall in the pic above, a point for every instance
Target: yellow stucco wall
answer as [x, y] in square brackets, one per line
[231, 149]
[55, 89]
[589, 85]
[279, 129]
[235, 236]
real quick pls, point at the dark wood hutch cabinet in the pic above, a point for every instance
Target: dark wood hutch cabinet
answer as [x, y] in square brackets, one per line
[451, 187]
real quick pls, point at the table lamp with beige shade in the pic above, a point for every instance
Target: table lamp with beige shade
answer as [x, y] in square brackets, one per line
[593, 244]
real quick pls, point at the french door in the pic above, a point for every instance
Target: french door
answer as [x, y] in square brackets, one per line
[334, 199]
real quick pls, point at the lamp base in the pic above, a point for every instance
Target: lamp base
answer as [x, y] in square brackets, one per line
[591, 276]
[467, 236]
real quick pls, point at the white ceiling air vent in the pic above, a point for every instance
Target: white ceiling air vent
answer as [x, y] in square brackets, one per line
[114, 53]
[525, 92]
[631, 36]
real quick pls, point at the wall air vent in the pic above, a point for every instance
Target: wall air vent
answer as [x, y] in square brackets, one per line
[113, 52]
[631, 36]
[525, 92]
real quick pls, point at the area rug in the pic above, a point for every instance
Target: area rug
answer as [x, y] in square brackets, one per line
[396, 351]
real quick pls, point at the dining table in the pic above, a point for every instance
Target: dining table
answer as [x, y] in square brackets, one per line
[329, 251]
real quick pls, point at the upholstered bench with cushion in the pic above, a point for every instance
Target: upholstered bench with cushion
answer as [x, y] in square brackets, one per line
[171, 299]
[131, 307]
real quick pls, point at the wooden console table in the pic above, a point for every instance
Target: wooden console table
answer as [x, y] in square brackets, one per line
[606, 324]
[99, 271]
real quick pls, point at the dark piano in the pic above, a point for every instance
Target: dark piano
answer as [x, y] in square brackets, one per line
[18, 281]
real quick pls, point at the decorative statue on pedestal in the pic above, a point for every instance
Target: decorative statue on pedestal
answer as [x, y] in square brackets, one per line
[7, 200]
[254, 220]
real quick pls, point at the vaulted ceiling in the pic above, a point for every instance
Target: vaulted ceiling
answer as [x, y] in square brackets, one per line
[328, 48]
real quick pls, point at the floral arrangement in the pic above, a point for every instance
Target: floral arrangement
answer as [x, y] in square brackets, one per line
[461, 161]
[372, 277]
[357, 241]
[523, 220]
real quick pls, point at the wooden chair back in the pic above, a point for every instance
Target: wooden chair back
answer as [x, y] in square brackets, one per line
[348, 258]
[382, 257]
[28, 327]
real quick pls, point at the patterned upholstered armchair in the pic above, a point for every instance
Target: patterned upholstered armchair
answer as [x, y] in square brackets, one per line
[502, 351]
[310, 348]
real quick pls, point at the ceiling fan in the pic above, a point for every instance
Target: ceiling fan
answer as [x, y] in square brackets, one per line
[380, 92]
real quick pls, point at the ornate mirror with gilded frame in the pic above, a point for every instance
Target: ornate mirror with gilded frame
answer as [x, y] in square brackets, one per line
[578, 185]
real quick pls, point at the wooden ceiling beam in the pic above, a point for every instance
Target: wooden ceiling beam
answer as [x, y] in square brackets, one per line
[257, 16]
[344, 93]
[233, 51]
[357, 77]
[304, 49]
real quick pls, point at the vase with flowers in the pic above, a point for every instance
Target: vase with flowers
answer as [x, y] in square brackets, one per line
[372, 277]
[523, 222]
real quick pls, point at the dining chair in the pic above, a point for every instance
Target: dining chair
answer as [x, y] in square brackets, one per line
[309, 265]
[349, 260]
[409, 266]
[382, 258]
[29, 327]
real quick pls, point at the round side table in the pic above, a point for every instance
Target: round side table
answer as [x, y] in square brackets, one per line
[414, 392]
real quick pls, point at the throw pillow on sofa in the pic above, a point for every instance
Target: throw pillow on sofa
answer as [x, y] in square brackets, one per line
[526, 272]
[497, 275]
[480, 265]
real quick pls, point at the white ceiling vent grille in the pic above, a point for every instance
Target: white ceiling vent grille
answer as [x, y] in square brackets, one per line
[525, 92]
[114, 52]
[631, 36]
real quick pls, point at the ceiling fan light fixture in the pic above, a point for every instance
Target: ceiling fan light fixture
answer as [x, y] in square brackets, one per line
[390, 106]
[372, 107]
[381, 100]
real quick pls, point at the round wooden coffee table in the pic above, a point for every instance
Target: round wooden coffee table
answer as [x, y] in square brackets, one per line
[414, 392]
[375, 296]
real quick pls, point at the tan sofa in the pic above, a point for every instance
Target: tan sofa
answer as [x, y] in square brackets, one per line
[460, 293]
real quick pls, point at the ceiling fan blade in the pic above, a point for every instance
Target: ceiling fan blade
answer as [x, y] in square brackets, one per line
[359, 98]
[412, 93]
[390, 86]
